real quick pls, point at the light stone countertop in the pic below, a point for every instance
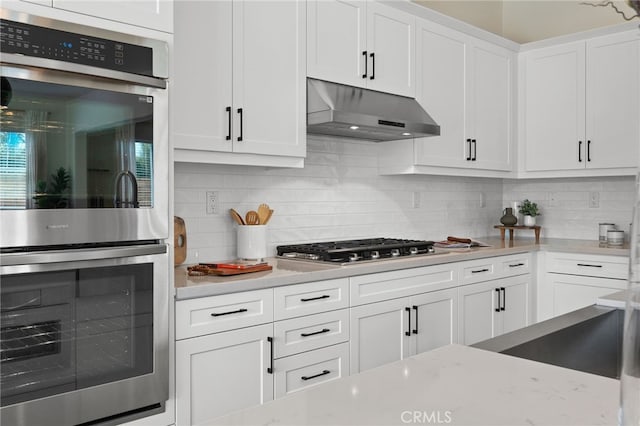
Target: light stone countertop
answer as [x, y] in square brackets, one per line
[287, 272]
[616, 300]
[455, 385]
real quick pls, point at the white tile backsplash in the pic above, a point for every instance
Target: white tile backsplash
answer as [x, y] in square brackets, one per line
[339, 195]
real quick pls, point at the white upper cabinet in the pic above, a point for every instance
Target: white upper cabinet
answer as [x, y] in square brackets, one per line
[153, 14]
[582, 104]
[242, 100]
[466, 85]
[363, 44]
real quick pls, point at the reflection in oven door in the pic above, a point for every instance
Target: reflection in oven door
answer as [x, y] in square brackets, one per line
[37, 355]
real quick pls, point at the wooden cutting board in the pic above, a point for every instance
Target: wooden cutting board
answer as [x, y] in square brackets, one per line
[179, 240]
[211, 269]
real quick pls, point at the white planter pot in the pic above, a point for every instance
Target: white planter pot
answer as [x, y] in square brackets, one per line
[529, 220]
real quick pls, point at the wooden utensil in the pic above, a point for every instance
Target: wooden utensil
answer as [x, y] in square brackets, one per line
[263, 213]
[236, 216]
[268, 217]
[179, 240]
[252, 218]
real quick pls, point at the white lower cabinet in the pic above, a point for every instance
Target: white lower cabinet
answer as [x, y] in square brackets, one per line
[491, 308]
[388, 331]
[571, 292]
[222, 372]
[297, 372]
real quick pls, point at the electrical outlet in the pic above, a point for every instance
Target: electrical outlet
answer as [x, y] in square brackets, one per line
[483, 200]
[553, 199]
[594, 200]
[213, 201]
[415, 200]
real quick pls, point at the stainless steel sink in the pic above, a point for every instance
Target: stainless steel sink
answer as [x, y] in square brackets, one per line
[589, 340]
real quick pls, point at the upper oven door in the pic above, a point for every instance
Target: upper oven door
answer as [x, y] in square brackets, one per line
[83, 147]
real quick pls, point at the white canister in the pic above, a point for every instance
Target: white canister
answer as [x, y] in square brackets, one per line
[615, 238]
[604, 228]
[252, 242]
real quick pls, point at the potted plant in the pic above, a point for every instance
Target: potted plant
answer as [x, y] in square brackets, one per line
[530, 210]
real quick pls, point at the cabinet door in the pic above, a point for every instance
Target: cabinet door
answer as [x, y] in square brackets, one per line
[489, 101]
[434, 321]
[441, 90]
[477, 306]
[223, 372]
[571, 292]
[201, 84]
[269, 78]
[336, 41]
[613, 101]
[153, 14]
[554, 108]
[390, 39]
[514, 311]
[378, 334]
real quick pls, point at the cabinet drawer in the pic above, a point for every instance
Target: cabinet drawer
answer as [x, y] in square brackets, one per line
[516, 264]
[616, 267]
[475, 271]
[312, 298]
[302, 371]
[311, 332]
[196, 317]
[406, 282]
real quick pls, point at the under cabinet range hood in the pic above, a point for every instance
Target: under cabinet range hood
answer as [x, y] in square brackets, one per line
[352, 112]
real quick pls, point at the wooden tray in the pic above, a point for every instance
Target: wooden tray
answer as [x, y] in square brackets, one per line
[202, 270]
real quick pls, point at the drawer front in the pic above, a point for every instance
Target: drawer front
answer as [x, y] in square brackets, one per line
[517, 264]
[475, 271]
[302, 371]
[406, 282]
[297, 335]
[616, 267]
[312, 298]
[196, 317]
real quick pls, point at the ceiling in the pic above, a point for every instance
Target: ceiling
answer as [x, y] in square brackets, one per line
[526, 21]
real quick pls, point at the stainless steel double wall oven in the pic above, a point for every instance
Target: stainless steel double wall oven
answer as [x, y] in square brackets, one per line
[83, 216]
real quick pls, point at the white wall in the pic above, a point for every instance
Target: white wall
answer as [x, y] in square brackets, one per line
[338, 195]
[565, 207]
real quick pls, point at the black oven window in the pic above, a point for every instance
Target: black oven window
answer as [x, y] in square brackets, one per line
[30, 341]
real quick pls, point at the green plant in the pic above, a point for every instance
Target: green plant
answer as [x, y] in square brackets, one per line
[52, 196]
[529, 208]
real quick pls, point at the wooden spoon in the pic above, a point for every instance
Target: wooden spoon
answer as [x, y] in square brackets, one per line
[263, 213]
[252, 218]
[268, 217]
[236, 216]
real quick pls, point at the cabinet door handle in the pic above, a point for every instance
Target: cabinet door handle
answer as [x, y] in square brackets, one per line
[373, 65]
[324, 296]
[408, 332]
[324, 373]
[477, 271]
[589, 266]
[475, 150]
[229, 127]
[469, 156]
[324, 330]
[497, 309]
[366, 64]
[588, 151]
[241, 124]
[415, 330]
[270, 368]
[515, 265]
[504, 299]
[228, 313]
[579, 151]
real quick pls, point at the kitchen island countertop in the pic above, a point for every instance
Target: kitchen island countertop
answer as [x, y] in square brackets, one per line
[455, 385]
[287, 272]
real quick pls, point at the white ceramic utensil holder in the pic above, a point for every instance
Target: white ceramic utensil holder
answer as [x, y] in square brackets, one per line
[252, 242]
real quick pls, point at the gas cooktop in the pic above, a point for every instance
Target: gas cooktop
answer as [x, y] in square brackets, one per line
[353, 251]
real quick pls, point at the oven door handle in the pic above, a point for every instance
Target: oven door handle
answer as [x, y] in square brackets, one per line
[73, 255]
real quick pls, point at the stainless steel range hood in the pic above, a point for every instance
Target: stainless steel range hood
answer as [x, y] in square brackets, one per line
[347, 111]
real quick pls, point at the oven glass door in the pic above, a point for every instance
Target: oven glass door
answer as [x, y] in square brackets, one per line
[72, 147]
[78, 331]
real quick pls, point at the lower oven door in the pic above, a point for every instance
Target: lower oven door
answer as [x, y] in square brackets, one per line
[84, 335]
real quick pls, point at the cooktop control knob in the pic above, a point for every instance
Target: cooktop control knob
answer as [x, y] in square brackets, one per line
[375, 254]
[395, 252]
[353, 257]
[413, 250]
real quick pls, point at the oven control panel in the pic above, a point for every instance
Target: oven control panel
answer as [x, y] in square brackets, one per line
[32, 40]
